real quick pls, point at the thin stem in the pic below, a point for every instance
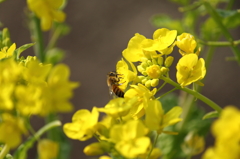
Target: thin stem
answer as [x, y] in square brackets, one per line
[4, 151]
[37, 38]
[190, 7]
[213, 13]
[154, 144]
[195, 94]
[167, 93]
[161, 86]
[220, 43]
[47, 127]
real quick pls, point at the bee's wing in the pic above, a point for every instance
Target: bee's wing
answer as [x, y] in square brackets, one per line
[112, 95]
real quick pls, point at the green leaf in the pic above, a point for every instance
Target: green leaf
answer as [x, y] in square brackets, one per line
[213, 114]
[164, 21]
[54, 55]
[209, 30]
[22, 48]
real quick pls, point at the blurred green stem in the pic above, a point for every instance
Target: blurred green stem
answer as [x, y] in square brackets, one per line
[37, 38]
[190, 7]
[194, 93]
[4, 151]
[220, 43]
[213, 13]
[154, 144]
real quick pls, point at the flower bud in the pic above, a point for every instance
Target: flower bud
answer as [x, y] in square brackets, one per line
[149, 62]
[164, 70]
[154, 71]
[94, 149]
[144, 64]
[160, 60]
[140, 68]
[154, 82]
[169, 60]
[144, 80]
[154, 61]
[148, 83]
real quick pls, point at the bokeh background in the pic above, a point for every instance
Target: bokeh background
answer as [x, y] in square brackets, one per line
[100, 31]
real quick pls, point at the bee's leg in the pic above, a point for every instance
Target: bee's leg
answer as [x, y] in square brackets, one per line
[121, 83]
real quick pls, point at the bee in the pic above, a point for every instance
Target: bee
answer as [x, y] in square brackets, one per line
[113, 80]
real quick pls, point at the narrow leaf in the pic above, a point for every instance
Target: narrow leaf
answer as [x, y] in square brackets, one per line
[212, 114]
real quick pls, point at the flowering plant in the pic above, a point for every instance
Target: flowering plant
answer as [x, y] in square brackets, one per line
[141, 121]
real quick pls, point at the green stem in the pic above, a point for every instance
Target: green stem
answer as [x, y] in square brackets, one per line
[167, 93]
[154, 144]
[219, 43]
[195, 94]
[161, 86]
[4, 151]
[213, 13]
[47, 127]
[37, 38]
[190, 7]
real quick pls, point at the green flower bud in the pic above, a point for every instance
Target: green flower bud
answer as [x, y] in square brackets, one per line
[144, 73]
[148, 83]
[154, 82]
[149, 62]
[144, 80]
[160, 60]
[140, 68]
[154, 62]
[144, 65]
[169, 60]
[141, 77]
[164, 70]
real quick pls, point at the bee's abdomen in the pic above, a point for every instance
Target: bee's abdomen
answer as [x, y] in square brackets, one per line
[118, 92]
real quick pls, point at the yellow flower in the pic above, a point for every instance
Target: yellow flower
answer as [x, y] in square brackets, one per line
[157, 120]
[126, 75]
[83, 124]
[162, 39]
[143, 95]
[118, 107]
[190, 69]
[35, 71]
[10, 72]
[29, 99]
[130, 139]
[154, 71]
[47, 149]
[48, 11]
[6, 96]
[226, 131]
[58, 91]
[11, 130]
[134, 51]
[186, 43]
[7, 52]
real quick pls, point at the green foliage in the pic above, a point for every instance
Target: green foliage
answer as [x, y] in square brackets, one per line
[171, 144]
[163, 20]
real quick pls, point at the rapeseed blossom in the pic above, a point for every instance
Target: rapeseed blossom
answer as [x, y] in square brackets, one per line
[50, 11]
[130, 139]
[186, 43]
[157, 120]
[7, 52]
[190, 69]
[83, 125]
[11, 130]
[226, 131]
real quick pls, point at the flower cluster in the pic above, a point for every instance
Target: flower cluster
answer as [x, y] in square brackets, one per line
[125, 130]
[29, 87]
[226, 131]
[154, 58]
